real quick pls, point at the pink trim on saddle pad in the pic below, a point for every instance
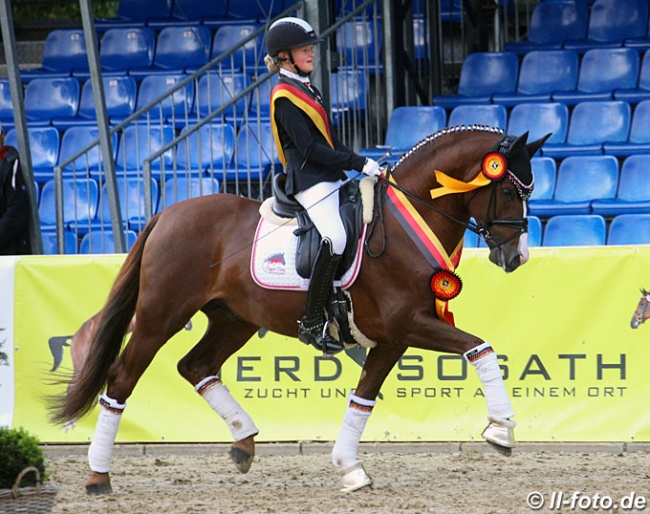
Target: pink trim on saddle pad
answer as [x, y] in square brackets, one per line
[273, 258]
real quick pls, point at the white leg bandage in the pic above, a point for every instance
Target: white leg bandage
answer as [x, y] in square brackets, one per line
[101, 447]
[487, 368]
[219, 398]
[344, 454]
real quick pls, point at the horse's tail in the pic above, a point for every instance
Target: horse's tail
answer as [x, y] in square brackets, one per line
[105, 347]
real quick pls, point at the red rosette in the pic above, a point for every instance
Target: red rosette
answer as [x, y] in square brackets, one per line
[445, 284]
[494, 166]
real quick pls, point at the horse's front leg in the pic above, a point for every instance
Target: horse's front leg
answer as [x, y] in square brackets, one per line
[438, 336]
[378, 365]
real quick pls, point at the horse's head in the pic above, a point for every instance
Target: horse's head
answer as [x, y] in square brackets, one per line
[499, 207]
[642, 311]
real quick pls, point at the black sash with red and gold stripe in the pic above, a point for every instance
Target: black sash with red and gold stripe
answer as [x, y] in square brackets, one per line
[307, 104]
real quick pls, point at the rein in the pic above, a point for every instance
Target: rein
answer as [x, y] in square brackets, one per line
[482, 230]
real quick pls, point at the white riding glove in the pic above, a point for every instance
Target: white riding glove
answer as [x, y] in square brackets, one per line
[371, 168]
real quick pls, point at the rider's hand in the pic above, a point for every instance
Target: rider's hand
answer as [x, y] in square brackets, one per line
[371, 168]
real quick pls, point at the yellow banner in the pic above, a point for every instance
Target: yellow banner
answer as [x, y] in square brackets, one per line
[560, 325]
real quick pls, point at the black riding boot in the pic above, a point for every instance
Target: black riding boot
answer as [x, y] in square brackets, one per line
[312, 327]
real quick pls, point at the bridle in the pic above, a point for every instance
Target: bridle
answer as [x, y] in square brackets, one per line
[483, 229]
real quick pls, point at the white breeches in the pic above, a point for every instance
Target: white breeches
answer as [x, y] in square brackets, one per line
[487, 368]
[322, 203]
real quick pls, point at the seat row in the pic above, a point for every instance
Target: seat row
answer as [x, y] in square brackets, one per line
[64, 102]
[217, 147]
[163, 13]
[591, 185]
[141, 51]
[574, 24]
[610, 127]
[86, 213]
[552, 75]
[581, 230]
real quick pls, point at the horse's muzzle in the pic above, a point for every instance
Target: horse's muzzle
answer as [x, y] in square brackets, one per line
[511, 255]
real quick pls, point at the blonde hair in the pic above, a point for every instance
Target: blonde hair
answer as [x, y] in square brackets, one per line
[273, 64]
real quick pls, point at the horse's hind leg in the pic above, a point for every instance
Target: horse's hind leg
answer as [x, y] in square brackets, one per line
[223, 337]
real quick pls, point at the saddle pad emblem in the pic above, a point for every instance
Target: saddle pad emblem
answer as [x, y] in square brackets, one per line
[273, 258]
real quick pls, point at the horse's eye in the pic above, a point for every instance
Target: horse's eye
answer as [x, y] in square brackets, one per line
[509, 192]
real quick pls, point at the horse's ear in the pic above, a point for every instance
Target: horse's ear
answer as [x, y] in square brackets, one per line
[644, 292]
[536, 145]
[518, 144]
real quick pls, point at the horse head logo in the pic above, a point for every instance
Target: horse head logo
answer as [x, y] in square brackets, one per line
[642, 311]
[275, 264]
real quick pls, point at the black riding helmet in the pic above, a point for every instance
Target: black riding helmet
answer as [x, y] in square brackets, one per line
[288, 33]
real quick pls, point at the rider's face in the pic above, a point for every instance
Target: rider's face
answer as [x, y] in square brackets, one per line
[304, 58]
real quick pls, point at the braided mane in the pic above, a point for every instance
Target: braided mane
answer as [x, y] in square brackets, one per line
[443, 132]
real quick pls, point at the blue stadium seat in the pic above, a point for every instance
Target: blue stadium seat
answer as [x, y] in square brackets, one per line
[357, 46]
[552, 23]
[64, 52]
[140, 141]
[44, 146]
[483, 74]
[641, 91]
[260, 104]
[177, 49]
[470, 239]
[77, 138]
[633, 194]
[176, 107]
[580, 180]
[182, 188]
[212, 146]
[192, 12]
[602, 70]
[124, 48]
[131, 191]
[545, 175]
[259, 10]
[591, 125]
[542, 73]
[348, 94]
[575, 230]
[540, 119]
[79, 203]
[535, 231]
[119, 94]
[213, 91]
[135, 13]
[642, 43]
[407, 126]
[6, 107]
[629, 229]
[50, 98]
[103, 241]
[249, 58]
[492, 115]
[254, 152]
[639, 137]
[611, 22]
[50, 244]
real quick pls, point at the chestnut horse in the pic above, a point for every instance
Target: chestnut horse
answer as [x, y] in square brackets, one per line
[642, 312]
[195, 256]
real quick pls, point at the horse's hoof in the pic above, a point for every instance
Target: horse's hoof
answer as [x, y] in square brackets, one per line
[99, 483]
[242, 459]
[502, 450]
[500, 434]
[355, 478]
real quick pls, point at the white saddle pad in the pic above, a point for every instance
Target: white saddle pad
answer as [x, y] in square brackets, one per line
[273, 258]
